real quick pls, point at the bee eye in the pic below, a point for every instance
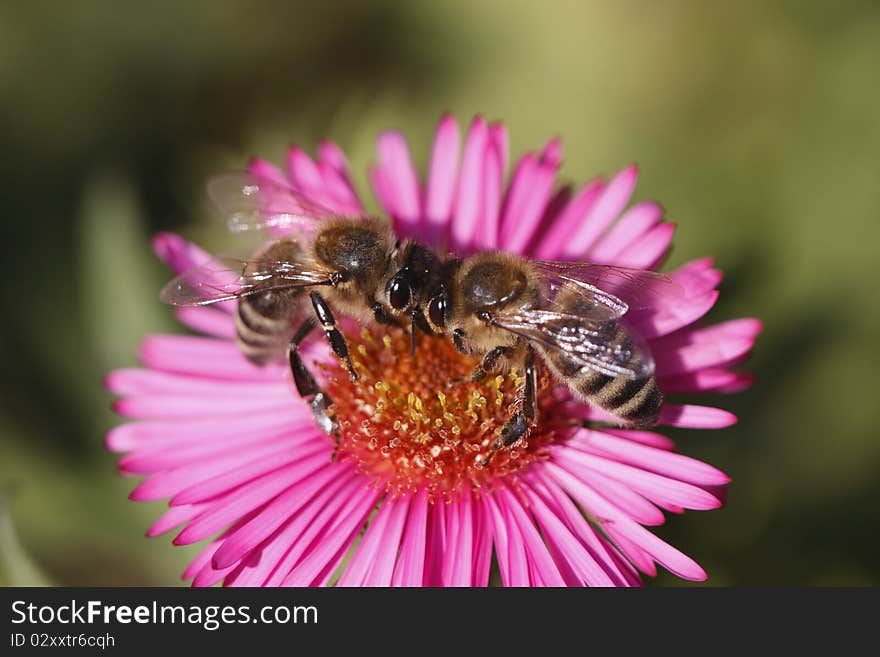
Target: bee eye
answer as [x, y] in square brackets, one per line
[437, 311]
[398, 293]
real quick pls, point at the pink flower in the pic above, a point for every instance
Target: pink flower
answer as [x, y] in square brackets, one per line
[246, 469]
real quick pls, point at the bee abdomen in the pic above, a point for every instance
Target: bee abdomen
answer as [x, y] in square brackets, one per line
[635, 401]
[263, 326]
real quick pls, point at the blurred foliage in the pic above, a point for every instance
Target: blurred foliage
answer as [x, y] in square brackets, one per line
[755, 123]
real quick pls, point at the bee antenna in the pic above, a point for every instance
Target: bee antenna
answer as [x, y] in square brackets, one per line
[412, 333]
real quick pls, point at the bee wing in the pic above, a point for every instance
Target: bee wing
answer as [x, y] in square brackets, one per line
[594, 342]
[253, 201]
[618, 289]
[224, 279]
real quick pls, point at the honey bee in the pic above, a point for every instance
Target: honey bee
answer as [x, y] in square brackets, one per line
[508, 310]
[504, 309]
[291, 285]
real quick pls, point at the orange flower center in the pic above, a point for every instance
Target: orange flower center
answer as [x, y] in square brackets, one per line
[419, 422]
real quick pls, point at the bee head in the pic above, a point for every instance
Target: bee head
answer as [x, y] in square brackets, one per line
[413, 275]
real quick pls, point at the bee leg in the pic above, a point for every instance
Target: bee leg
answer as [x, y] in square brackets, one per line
[525, 418]
[490, 360]
[334, 337]
[306, 385]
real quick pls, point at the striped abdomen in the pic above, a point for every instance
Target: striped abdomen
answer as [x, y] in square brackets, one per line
[636, 402]
[264, 320]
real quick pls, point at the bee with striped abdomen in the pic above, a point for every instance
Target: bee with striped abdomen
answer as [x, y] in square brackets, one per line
[354, 265]
[508, 310]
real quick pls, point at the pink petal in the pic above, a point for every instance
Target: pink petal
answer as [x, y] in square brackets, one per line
[521, 183]
[174, 406]
[600, 550]
[672, 318]
[634, 223]
[322, 183]
[697, 277]
[141, 382]
[340, 535]
[181, 256]
[540, 561]
[334, 170]
[244, 500]
[620, 494]
[340, 194]
[143, 435]
[469, 196]
[201, 489]
[333, 156]
[202, 559]
[458, 566]
[174, 517]
[643, 437]
[167, 483]
[410, 567]
[274, 514]
[649, 249]
[388, 543]
[442, 179]
[619, 525]
[606, 208]
[482, 545]
[499, 139]
[209, 321]
[552, 244]
[695, 417]
[275, 199]
[260, 168]
[518, 572]
[707, 380]
[399, 191]
[695, 349]
[654, 487]
[529, 194]
[200, 568]
[161, 457]
[207, 357]
[280, 554]
[436, 545]
[568, 549]
[648, 458]
[306, 177]
[207, 576]
[369, 548]
[636, 555]
[737, 329]
[500, 539]
[494, 165]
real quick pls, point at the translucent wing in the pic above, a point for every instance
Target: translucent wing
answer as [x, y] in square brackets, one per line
[610, 290]
[227, 278]
[253, 201]
[600, 344]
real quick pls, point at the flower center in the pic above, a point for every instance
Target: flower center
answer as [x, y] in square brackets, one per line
[418, 422]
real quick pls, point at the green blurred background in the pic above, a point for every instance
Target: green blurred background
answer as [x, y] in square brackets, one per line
[754, 123]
